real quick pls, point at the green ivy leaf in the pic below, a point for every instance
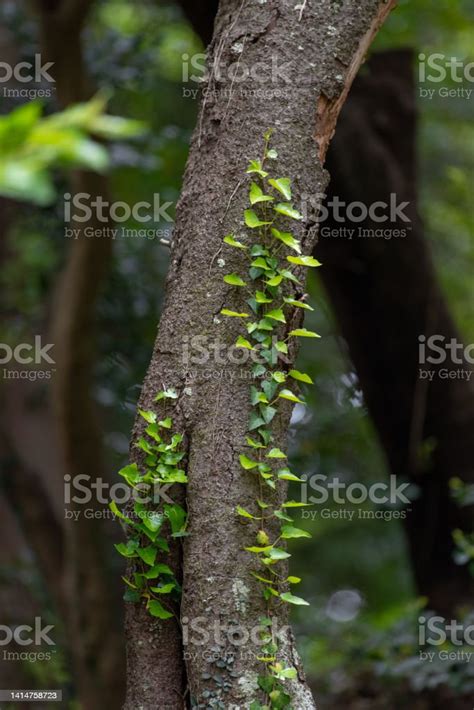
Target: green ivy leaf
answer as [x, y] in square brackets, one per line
[291, 599]
[148, 416]
[255, 166]
[283, 185]
[260, 263]
[147, 554]
[298, 304]
[252, 220]
[286, 209]
[247, 463]
[156, 609]
[262, 297]
[301, 376]
[276, 314]
[234, 280]
[289, 395]
[303, 333]
[288, 532]
[244, 513]
[276, 454]
[233, 314]
[256, 194]
[281, 347]
[243, 343]
[164, 589]
[285, 475]
[276, 553]
[288, 239]
[275, 280]
[229, 239]
[177, 517]
[303, 260]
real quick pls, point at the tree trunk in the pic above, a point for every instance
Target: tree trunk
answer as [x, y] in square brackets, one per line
[385, 295]
[321, 47]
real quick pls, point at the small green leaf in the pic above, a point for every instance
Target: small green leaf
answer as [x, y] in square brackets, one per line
[247, 463]
[301, 376]
[260, 263]
[276, 454]
[156, 609]
[275, 280]
[293, 580]
[244, 513]
[285, 208]
[288, 532]
[303, 333]
[256, 194]
[289, 395]
[148, 554]
[285, 475]
[281, 347]
[304, 260]
[276, 553]
[297, 304]
[272, 154]
[243, 343]
[287, 239]
[283, 185]
[255, 166]
[262, 297]
[279, 377]
[252, 220]
[254, 444]
[291, 599]
[233, 314]
[234, 280]
[294, 504]
[148, 416]
[164, 589]
[276, 314]
[229, 239]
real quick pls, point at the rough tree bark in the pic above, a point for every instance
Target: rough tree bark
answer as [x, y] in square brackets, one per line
[385, 294]
[321, 46]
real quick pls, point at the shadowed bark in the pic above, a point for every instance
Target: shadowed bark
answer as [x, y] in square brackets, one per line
[386, 294]
[322, 48]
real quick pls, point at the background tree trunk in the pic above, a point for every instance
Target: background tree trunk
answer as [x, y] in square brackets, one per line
[322, 48]
[385, 294]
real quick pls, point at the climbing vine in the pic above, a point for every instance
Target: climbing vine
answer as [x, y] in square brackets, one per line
[273, 294]
[152, 580]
